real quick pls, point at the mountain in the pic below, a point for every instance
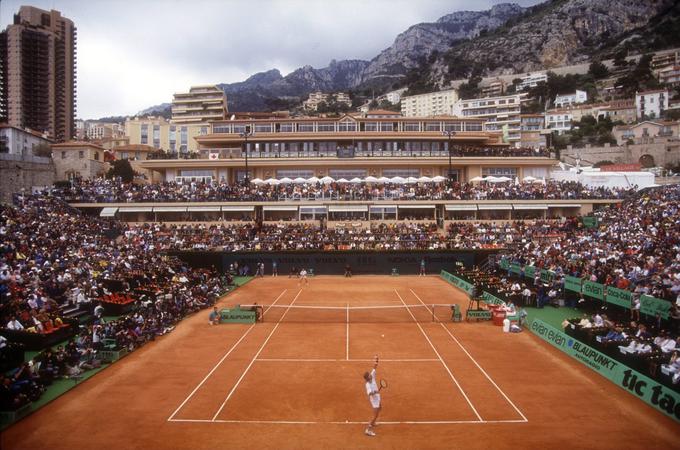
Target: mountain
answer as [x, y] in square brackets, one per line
[551, 34]
[424, 38]
[261, 90]
[163, 108]
[502, 40]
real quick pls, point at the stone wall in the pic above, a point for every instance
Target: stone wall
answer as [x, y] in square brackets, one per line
[663, 153]
[19, 174]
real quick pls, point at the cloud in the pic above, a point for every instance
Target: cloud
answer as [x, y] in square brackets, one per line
[133, 54]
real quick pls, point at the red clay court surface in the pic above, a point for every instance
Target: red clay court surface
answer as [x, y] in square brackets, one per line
[295, 381]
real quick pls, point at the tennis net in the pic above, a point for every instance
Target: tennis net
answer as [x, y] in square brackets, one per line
[353, 314]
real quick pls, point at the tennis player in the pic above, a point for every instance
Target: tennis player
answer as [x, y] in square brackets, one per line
[373, 396]
[303, 277]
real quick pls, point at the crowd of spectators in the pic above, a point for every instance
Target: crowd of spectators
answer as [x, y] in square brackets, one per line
[636, 246]
[53, 257]
[284, 236]
[113, 191]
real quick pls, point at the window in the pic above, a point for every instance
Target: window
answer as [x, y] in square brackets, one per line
[157, 136]
[96, 156]
[204, 131]
[183, 139]
[384, 126]
[305, 127]
[292, 174]
[347, 126]
[326, 127]
[499, 171]
[432, 126]
[411, 126]
[81, 154]
[287, 128]
[221, 129]
[371, 126]
[263, 128]
[145, 134]
[347, 173]
[63, 155]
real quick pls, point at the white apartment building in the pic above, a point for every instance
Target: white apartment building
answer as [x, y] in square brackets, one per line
[394, 97]
[200, 105]
[651, 104]
[103, 130]
[501, 113]
[563, 101]
[531, 80]
[430, 104]
[163, 135]
[312, 102]
[22, 142]
[559, 120]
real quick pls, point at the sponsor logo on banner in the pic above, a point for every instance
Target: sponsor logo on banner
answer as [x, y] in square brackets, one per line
[643, 387]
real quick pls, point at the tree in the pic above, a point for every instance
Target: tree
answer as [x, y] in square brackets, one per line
[598, 70]
[620, 58]
[122, 169]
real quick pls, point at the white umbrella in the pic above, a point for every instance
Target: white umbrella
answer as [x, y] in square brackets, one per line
[256, 181]
[327, 180]
[342, 180]
[273, 181]
[439, 179]
[500, 180]
[424, 179]
[411, 180]
[370, 179]
[285, 180]
[355, 180]
[383, 180]
[312, 180]
[539, 181]
[398, 180]
[300, 180]
[477, 179]
[528, 179]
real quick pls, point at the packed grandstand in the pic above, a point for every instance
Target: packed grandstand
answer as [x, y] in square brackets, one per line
[57, 263]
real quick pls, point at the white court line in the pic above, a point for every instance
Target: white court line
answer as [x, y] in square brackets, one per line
[219, 362]
[347, 333]
[476, 364]
[339, 360]
[254, 358]
[340, 422]
[440, 358]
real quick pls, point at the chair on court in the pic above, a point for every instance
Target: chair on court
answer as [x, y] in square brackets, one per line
[395, 272]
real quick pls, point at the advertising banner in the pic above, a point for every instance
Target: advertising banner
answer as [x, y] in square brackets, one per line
[619, 297]
[651, 392]
[458, 282]
[492, 299]
[651, 306]
[592, 289]
[572, 283]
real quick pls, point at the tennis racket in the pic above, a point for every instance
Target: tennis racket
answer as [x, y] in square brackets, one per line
[383, 384]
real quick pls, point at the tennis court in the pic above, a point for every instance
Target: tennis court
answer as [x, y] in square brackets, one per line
[294, 380]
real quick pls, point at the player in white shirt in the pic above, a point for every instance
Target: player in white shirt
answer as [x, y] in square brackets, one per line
[303, 277]
[373, 396]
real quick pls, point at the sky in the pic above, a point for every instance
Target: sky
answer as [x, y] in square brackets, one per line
[133, 54]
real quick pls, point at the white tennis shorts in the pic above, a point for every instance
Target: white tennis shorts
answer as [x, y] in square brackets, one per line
[375, 400]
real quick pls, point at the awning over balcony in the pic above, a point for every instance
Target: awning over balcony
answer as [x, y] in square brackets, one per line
[460, 207]
[108, 212]
[348, 208]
